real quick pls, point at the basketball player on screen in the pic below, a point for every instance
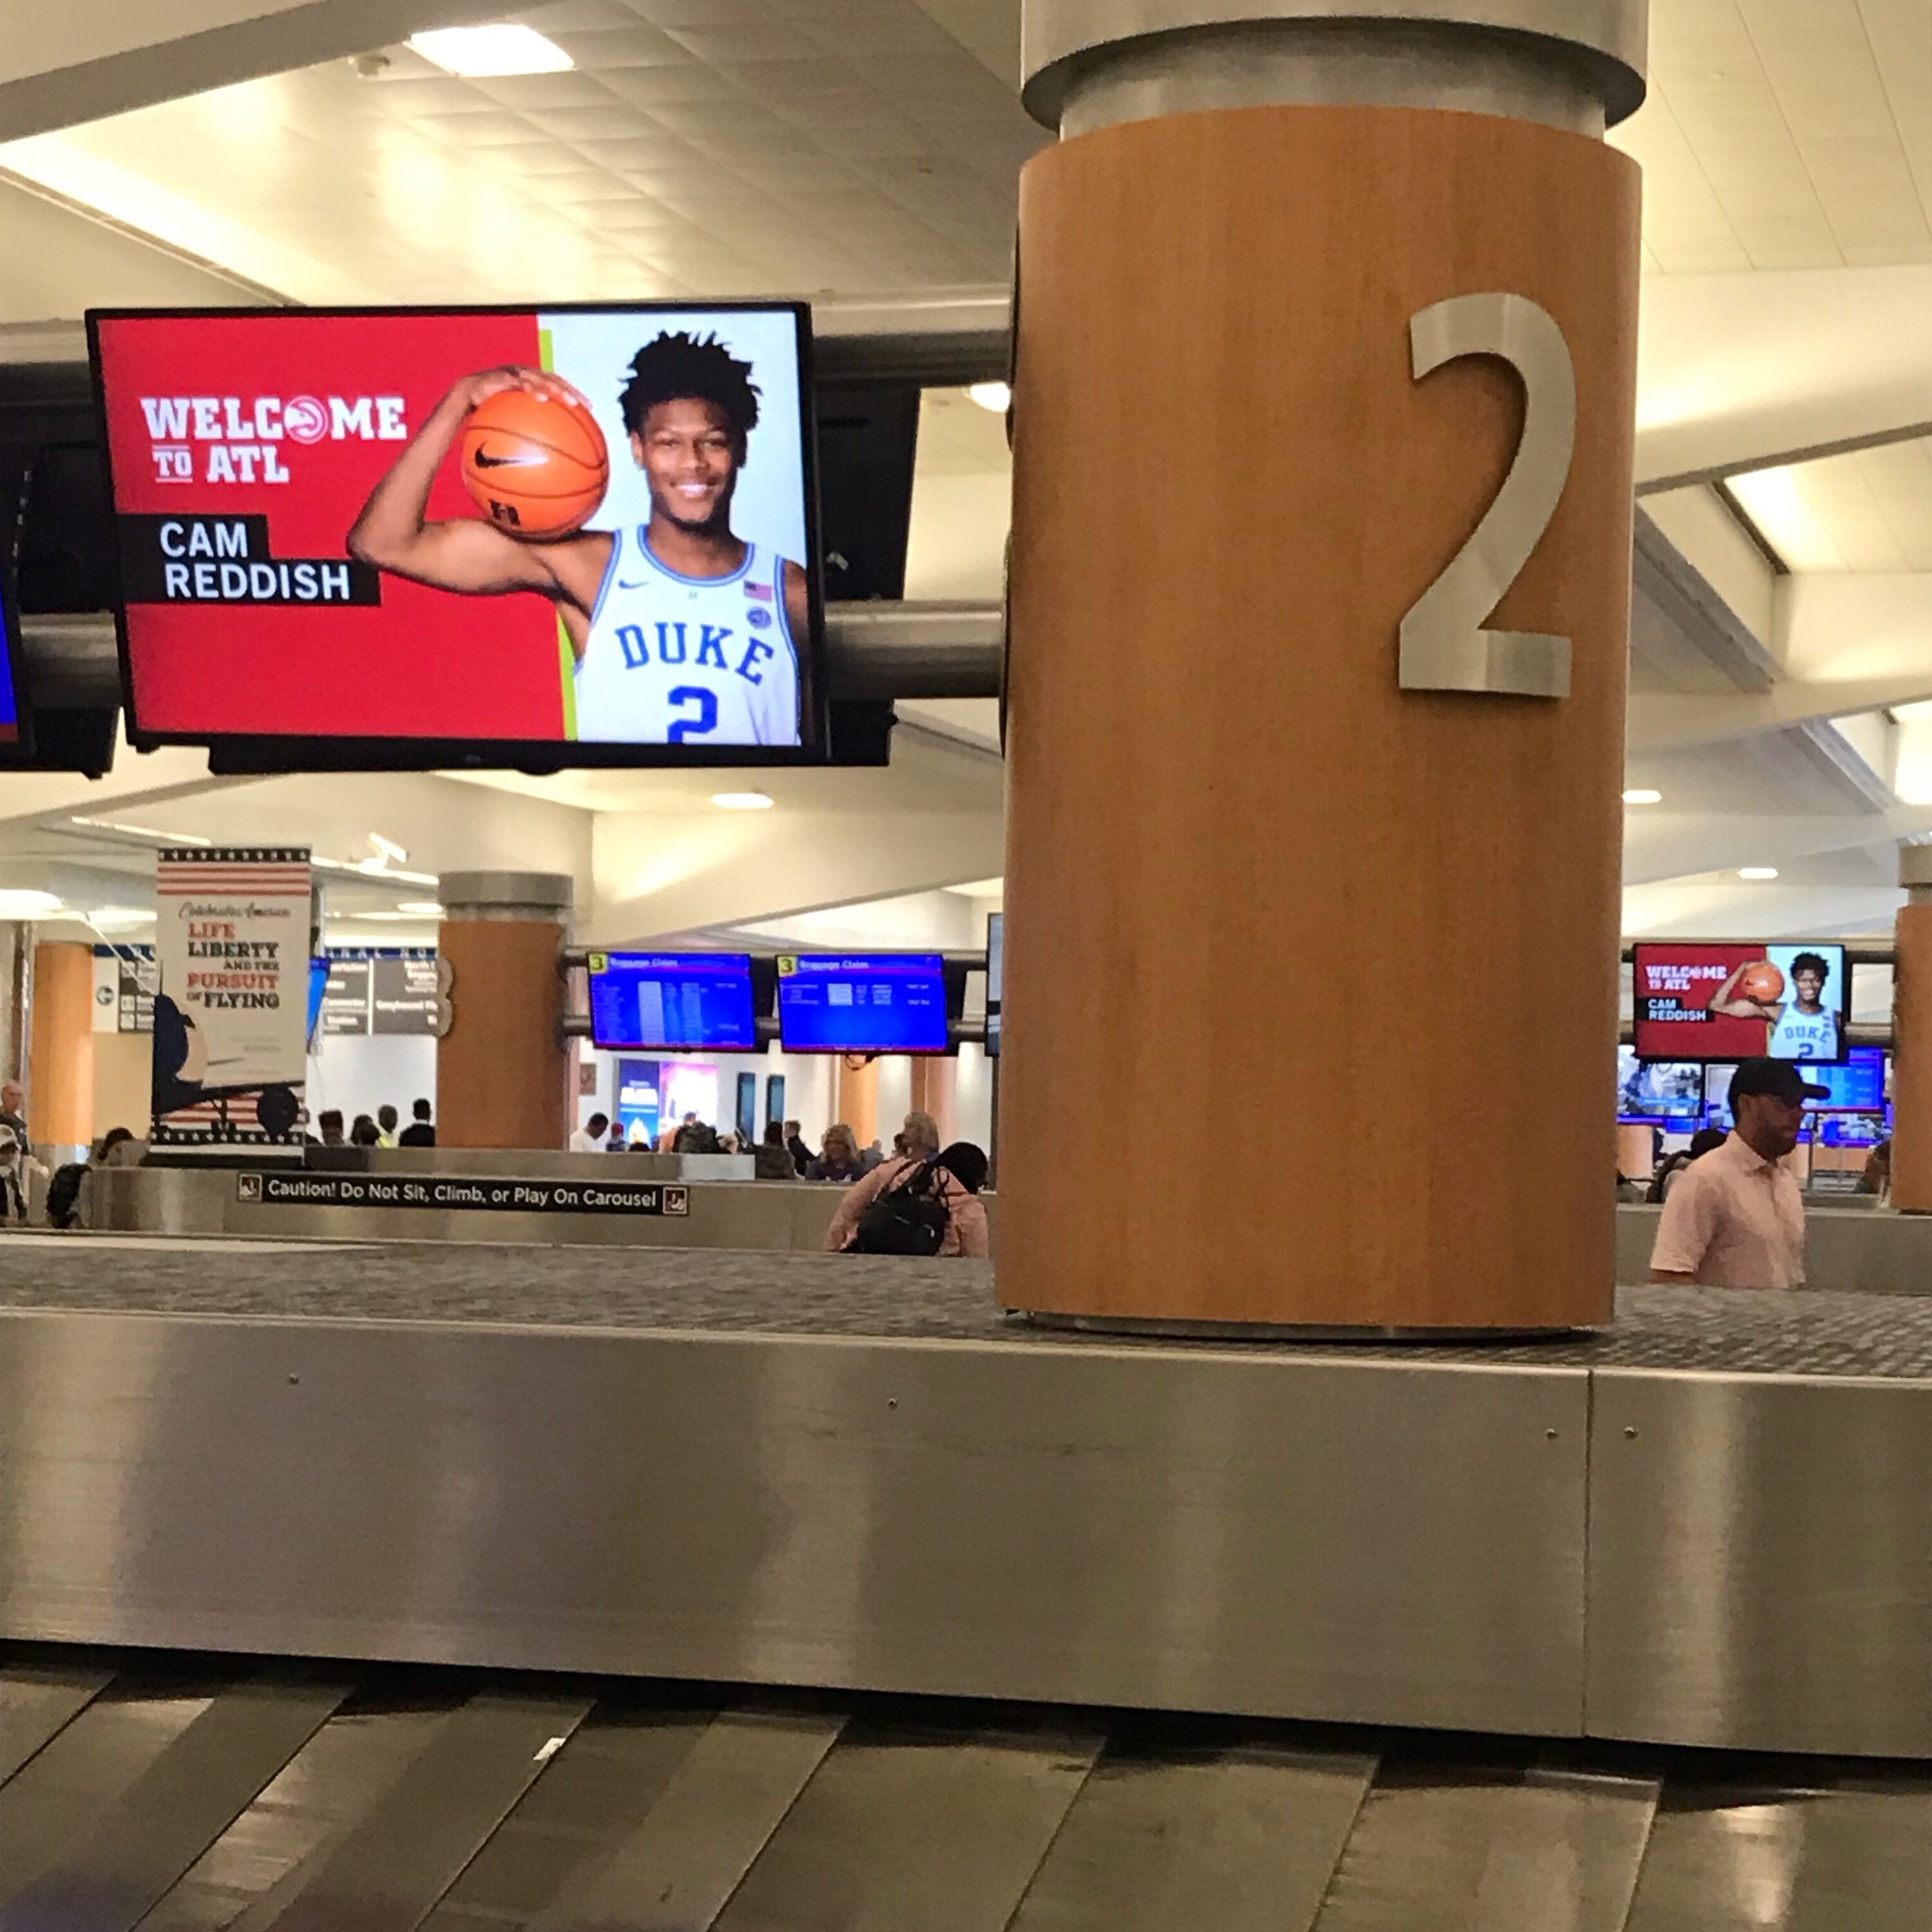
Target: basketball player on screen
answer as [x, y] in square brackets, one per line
[1804, 1028]
[682, 632]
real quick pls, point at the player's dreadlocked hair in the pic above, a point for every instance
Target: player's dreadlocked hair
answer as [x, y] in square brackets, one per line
[681, 365]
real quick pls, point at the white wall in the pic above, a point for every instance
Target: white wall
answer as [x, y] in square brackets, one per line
[972, 1098]
[811, 1084]
[359, 1072]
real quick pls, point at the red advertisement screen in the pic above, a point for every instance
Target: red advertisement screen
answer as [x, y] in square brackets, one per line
[1738, 1000]
[584, 530]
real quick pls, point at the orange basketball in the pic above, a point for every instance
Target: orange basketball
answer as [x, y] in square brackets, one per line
[1762, 983]
[537, 466]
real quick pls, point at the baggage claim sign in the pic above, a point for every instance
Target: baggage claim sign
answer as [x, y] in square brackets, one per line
[231, 1018]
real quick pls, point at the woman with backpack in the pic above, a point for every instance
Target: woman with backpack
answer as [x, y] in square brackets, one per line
[916, 1203]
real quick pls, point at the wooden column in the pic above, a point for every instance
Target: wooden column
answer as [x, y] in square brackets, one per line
[1231, 832]
[503, 1071]
[857, 1094]
[1911, 1036]
[934, 1082]
[60, 1078]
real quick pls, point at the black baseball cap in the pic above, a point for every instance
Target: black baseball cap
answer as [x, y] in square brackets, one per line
[1779, 1078]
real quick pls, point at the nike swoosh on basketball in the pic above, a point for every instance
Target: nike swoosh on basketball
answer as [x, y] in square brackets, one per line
[484, 459]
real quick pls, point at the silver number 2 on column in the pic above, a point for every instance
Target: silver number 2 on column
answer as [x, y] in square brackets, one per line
[1445, 646]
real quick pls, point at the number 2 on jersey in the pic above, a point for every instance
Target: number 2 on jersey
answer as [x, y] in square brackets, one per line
[706, 719]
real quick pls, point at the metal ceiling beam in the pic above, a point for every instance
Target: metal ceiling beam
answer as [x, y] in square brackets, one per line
[1785, 459]
[875, 650]
[129, 63]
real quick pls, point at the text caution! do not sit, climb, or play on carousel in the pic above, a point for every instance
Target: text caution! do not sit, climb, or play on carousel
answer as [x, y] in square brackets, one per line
[489, 1194]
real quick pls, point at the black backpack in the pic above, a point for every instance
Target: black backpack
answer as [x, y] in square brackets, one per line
[63, 1192]
[908, 1218]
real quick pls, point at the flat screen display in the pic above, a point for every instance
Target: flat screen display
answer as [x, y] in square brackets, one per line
[585, 534]
[1734, 1001]
[318, 984]
[996, 948]
[1857, 1086]
[10, 659]
[862, 1003]
[1656, 1092]
[674, 1002]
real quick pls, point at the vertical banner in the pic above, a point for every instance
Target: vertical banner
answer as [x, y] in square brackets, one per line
[231, 1018]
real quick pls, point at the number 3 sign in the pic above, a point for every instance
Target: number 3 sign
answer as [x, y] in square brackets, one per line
[1445, 646]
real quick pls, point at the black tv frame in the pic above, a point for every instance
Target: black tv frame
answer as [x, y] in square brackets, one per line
[1641, 947]
[235, 753]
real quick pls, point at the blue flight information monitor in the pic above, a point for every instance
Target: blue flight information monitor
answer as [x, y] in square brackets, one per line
[862, 1003]
[9, 652]
[1857, 1087]
[673, 1002]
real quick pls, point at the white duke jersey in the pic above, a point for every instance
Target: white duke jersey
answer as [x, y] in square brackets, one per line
[677, 660]
[1801, 1036]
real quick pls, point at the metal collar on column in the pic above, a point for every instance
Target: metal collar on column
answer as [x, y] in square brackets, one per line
[1576, 64]
[544, 897]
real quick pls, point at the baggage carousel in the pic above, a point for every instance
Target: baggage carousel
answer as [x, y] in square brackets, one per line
[213, 1795]
[1707, 1527]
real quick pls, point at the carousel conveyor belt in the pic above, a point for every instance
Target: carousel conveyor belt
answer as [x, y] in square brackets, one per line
[179, 1794]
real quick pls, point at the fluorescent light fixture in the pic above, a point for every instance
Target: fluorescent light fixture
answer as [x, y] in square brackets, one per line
[419, 908]
[489, 53]
[1776, 502]
[23, 903]
[387, 851]
[994, 396]
[1757, 872]
[741, 801]
[1643, 795]
[105, 916]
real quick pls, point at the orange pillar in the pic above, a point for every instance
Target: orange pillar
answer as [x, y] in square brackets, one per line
[1291, 771]
[503, 1069]
[1634, 1161]
[60, 1076]
[858, 1098]
[935, 1082]
[1911, 1036]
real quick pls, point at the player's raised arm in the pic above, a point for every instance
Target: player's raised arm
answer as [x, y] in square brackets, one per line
[464, 553]
[1726, 1003]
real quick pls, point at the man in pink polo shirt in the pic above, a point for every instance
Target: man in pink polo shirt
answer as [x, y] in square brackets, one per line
[1734, 1219]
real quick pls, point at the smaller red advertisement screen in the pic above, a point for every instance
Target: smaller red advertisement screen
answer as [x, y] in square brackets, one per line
[1739, 1001]
[587, 531]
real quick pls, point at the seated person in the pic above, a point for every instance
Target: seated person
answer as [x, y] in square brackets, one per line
[840, 1160]
[771, 1159]
[917, 1173]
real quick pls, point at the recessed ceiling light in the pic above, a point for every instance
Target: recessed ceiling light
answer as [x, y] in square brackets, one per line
[420, 908]
[1643, 795]
[26, 903]
[993, 396]
[741, 801]
[1757, 871]
[487, 53]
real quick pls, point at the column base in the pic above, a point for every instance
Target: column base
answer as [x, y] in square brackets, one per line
[1181, 1329]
